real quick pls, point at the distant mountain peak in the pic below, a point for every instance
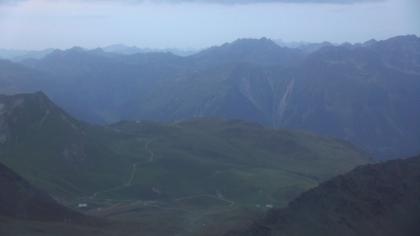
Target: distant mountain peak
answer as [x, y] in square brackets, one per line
[402, 41]
[261, 51]
[370, 42]
[76, 49]
[16, 109]
[250, 42]
[62, 53]
[404, 37]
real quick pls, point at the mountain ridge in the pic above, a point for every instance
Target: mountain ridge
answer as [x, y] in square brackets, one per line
[344, 85]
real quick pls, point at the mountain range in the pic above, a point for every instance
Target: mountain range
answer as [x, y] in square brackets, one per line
[363, 93]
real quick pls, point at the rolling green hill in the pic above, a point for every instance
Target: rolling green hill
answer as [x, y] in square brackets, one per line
[201, 167]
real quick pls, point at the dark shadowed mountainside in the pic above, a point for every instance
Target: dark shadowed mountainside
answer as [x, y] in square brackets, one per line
[20, 200]
[27, 210]
[379, 199]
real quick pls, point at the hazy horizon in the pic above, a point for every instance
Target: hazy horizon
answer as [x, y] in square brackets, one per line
[287, 43]
[189, 24]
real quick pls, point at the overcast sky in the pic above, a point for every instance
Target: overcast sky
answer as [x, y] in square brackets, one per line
[37, 24]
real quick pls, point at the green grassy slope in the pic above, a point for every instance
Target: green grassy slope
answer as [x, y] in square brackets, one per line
[203, 168]
[240, 161]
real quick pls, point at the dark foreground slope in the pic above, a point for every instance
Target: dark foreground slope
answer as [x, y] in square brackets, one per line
[380, 199]
[20, 200]
[27, 210]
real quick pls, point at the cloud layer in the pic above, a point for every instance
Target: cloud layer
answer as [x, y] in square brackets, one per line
[93, 23]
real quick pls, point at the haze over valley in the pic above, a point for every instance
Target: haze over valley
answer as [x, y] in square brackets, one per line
[210, 118]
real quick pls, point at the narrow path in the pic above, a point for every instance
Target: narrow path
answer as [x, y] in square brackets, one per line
[94, 195]
[219, 198]
[132, 175]
[151, 153]
[133, 170]
[134, 166]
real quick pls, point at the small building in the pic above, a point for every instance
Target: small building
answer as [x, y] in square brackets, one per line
[82, 205]
[269, 206]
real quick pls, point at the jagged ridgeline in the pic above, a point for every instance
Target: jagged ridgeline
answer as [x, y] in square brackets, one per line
[364, 93]
[238, 162]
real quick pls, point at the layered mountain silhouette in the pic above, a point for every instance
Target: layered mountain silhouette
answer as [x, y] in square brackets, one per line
[380, 199]
[363, 93]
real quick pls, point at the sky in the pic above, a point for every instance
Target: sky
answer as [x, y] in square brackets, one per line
[195, 24]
